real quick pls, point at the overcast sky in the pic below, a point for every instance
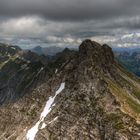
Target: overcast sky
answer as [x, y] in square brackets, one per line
[29, 23]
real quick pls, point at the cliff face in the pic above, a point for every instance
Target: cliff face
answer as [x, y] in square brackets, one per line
[89, 96]
[20, 72]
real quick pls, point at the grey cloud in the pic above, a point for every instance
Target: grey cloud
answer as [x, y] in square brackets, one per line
[127, 22]
[69, 9]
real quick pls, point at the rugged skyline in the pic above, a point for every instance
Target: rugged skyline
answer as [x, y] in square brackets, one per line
[30, 23]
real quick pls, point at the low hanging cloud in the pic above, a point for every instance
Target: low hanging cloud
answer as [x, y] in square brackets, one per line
[26, 26]
[31, 31]
[70, 40]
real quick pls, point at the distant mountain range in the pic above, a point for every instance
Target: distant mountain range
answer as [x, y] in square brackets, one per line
[130, 60]
[50, 51]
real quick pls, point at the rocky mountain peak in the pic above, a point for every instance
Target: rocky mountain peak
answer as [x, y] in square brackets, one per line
[100, 54]
[88, 46]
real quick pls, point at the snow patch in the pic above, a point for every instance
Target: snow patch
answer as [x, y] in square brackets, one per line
[43, 126]
[13, 48]
[48, 107]
[41, 69]
[33, 131]
[53, 120]
[49, 103]
[62, 86]
[9, 55]
[56, 70]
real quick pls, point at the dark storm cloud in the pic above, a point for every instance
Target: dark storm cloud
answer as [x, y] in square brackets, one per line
[69, 9]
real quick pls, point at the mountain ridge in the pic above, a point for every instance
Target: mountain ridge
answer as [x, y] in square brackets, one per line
[100, 100]
[20, 71]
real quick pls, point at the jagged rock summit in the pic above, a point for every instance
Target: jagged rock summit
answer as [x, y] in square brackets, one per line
[88, 97]
[95, 50]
